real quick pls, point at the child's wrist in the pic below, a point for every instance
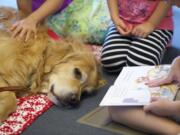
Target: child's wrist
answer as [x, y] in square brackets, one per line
[33, 18]
[153, 25]
[115, 18]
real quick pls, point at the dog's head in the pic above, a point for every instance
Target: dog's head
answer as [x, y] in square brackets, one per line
[77, 72]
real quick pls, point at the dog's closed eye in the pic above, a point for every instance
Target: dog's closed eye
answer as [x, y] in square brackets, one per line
[77, 73]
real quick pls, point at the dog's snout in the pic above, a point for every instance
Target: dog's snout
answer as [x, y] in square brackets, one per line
[68, 99]
[73, 98]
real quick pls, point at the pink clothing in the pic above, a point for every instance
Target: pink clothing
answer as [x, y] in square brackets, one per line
[138, 11]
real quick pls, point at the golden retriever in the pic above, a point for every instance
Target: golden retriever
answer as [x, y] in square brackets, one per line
[62, 69]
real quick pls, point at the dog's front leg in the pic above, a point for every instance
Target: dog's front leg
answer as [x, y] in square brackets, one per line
[8, 104]
[44, 88]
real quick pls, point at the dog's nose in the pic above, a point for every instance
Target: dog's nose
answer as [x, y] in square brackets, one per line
[73, 98]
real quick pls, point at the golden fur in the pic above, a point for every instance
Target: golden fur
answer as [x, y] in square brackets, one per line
[62, 69]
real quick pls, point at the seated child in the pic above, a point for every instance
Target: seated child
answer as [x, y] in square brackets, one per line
[141, 31]
[154, 117]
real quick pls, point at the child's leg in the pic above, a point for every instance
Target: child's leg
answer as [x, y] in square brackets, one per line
[114, 51]
[150, 50]
[136, 118]
[25, 6]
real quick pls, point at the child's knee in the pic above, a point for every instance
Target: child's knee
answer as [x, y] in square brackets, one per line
[111, 66]
[116, 113]
[112, 113]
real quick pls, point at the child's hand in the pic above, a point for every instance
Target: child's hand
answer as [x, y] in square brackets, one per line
[24, 28]
[143, 30]
[123, 29]
[173, 75]
[161, 107]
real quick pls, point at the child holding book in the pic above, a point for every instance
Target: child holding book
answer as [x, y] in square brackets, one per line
[141, 31]
[153, 119]
[37, 10]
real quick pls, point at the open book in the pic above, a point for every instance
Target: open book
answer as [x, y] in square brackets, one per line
[129, 89]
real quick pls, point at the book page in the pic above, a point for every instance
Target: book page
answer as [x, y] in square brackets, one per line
[129, 89]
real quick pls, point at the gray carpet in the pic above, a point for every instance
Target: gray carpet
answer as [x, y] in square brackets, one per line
[62, 121]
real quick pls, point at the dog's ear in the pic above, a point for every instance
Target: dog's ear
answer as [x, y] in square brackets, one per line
[53, 56]
[57, 54]
[101, 81]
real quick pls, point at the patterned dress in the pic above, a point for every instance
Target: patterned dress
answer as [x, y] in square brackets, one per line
[85, 19]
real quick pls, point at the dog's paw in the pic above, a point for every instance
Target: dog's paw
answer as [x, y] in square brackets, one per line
[44, 91]
[8, 104]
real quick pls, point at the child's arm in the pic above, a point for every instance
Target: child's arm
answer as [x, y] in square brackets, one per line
[48, 7]
[28, 26]
[144, 29]
[25, 6]
[113, 8]
[114, 12]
